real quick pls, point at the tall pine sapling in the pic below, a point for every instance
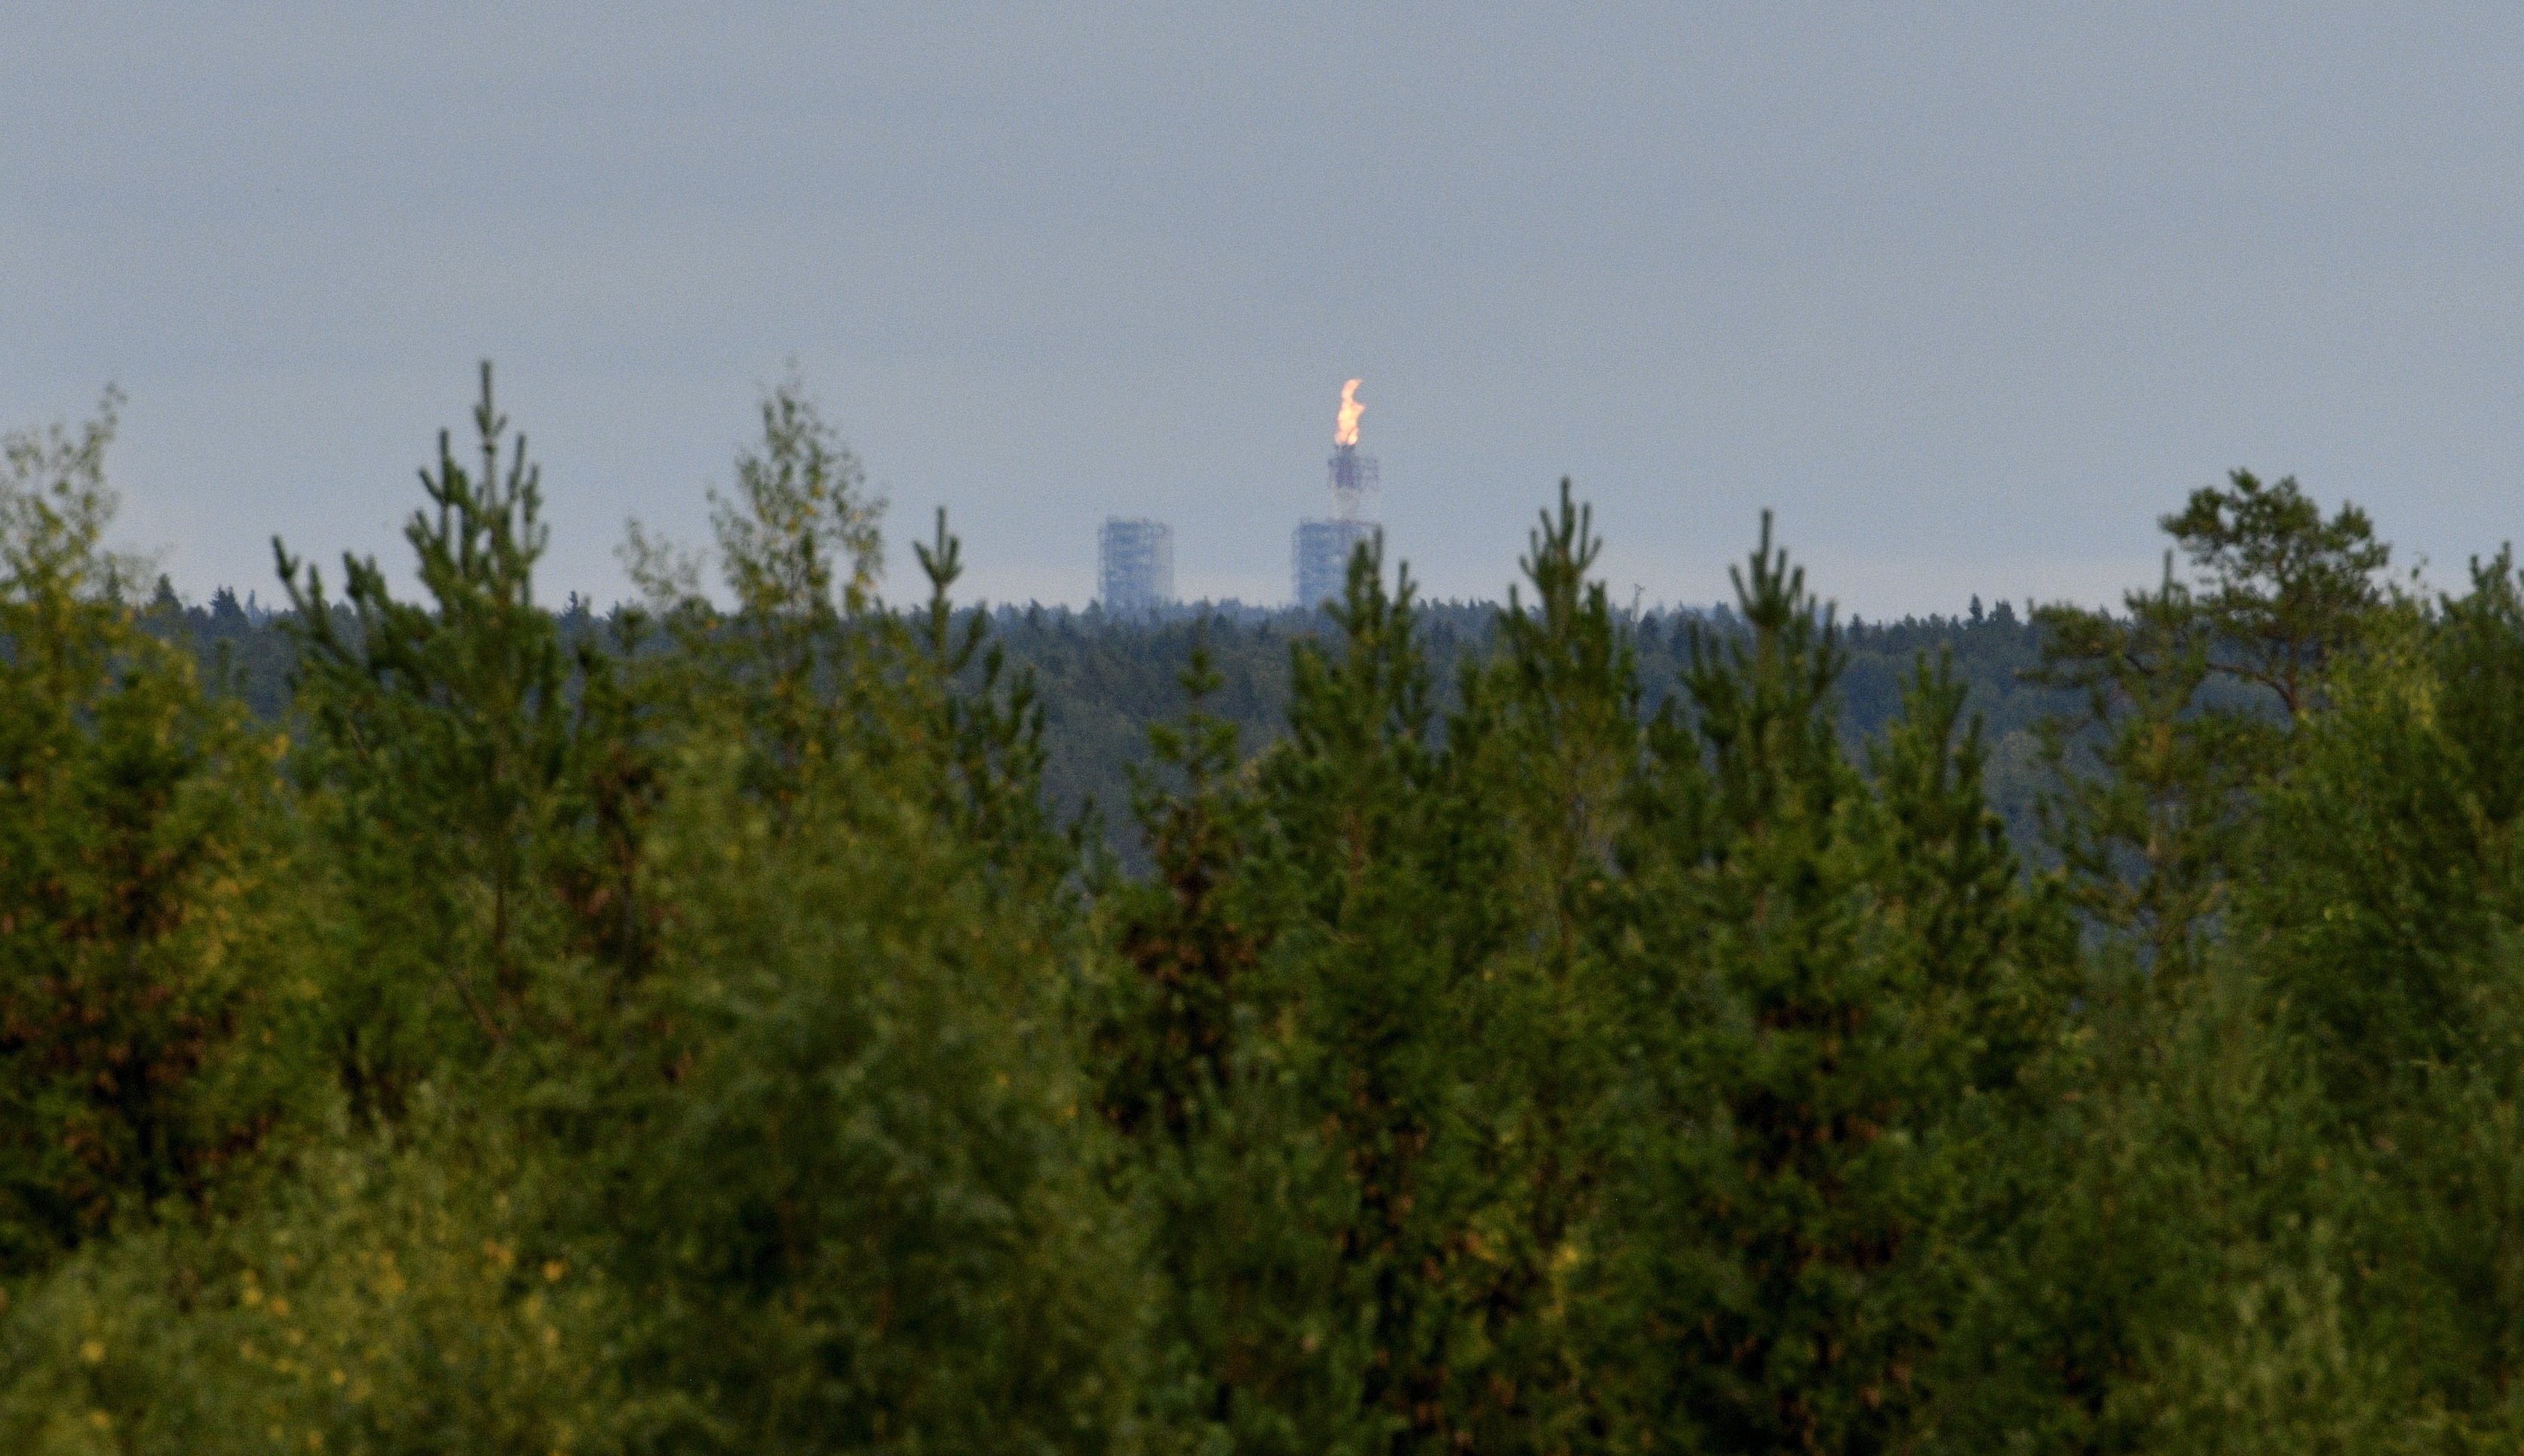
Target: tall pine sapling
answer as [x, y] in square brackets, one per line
[454, 757]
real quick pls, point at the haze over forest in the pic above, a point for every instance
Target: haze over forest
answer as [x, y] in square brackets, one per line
[1963, 294]
[1911, 840]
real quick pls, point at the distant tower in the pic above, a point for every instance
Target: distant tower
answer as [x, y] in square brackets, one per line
[1321, 549]
[1135, 565]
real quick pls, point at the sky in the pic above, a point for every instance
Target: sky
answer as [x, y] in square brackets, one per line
[1968, 295]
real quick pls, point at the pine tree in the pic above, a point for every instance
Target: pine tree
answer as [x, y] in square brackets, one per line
[472, 782]
[2286, 590]
[1827, 989]
[2149, 838]
[1181, 937]
[1537, 764]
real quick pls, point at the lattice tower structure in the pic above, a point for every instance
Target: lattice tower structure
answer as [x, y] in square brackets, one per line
[1135, 562]
[1354, 477]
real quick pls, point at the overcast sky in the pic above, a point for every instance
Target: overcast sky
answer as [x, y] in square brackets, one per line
[1968, 294]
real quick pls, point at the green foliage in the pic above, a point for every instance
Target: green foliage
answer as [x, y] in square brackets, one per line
[800, 533]
[2151, 842]
[1168, 1046]
[1540, 1027]
[861, 1211]
[1102, 683]
[382, 1301]
[464, 777]
[1839, 985]
[144, 996]
[797, 552]
[2385, 930]
[1573, 1077]
[2287, 590]
[2149, 836]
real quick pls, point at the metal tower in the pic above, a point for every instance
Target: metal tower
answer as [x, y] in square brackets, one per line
[1353, 476]
[1135, 565]
[1320, 553]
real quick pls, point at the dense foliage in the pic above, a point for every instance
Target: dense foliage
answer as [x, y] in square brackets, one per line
[446, 1023]
[1105, 681]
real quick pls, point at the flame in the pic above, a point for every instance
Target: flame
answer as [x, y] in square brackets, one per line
[1346, 431]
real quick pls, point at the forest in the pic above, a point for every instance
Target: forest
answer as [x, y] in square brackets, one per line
[774, 1015]
[1102, 682]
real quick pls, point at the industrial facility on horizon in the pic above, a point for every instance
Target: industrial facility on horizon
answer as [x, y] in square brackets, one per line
[1136, 565]
[1321, 549]
[1135, 557]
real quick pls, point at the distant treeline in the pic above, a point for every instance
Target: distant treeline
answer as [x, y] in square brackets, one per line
[434, 1022]
[1105, 680]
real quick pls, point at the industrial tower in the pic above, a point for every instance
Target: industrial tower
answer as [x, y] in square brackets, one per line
[1135, 565]
[1322, 549]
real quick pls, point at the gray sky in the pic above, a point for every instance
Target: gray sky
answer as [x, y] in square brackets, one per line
[1968, 294]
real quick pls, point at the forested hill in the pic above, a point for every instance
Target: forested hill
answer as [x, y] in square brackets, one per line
[472, 1027]
[1104, 680]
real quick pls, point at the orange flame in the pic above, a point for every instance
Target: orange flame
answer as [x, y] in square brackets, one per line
[1346, 431]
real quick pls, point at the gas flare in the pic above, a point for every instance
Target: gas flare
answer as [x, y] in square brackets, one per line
[1346, 431]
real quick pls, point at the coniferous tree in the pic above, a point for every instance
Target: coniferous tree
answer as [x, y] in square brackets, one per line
[1187, 953]
[2285, 590]
[458, 772]
[2149, 837]
[1539, 758]
[1837, 990]
[144, 993]
[1543, 1029]
[1788, 1063]
[850, 1161]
